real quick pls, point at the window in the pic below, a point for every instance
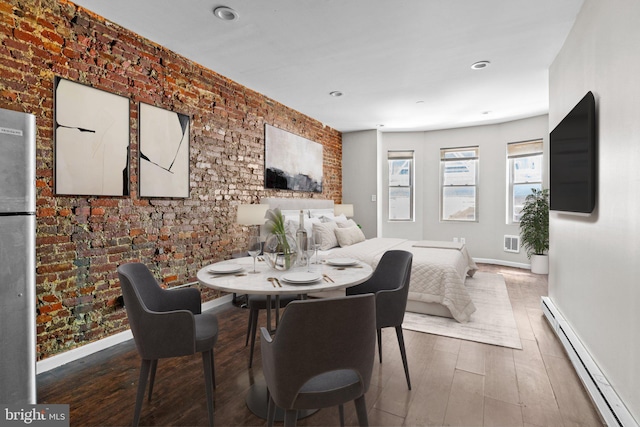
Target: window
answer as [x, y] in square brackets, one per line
[459, 181]
[400, 185]
[524, 166]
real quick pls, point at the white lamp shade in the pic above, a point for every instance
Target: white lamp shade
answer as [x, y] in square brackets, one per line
[251, 214]
[347, 210]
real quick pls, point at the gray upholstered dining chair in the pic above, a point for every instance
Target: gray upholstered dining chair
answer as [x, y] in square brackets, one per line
[321, 355]
[166, 323]
[390, 284]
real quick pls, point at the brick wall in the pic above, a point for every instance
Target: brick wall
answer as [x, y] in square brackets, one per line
[81, 240]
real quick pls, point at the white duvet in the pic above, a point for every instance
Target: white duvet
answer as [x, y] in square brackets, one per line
[438, 270]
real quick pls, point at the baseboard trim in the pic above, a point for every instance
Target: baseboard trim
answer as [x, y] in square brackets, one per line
[502, 262]
[609, 404]
[79, 352]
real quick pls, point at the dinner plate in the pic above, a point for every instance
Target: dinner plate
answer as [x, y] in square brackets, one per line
[225, 268]
[301, 277]
[342, 262]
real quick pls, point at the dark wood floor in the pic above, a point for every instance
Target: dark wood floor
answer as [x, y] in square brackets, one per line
[455, 382]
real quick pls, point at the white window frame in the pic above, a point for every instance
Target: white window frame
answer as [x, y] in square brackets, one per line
[518, 153]
[401, 182]
[467, 158]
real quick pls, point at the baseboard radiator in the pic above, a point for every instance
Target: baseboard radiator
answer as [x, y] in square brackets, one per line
[602, 393]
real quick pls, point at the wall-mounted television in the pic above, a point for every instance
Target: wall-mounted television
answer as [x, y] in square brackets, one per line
[573, 160]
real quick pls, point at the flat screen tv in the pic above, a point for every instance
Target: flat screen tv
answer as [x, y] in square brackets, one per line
[573, 160]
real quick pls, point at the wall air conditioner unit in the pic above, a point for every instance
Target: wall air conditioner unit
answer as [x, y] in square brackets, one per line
[512, 244]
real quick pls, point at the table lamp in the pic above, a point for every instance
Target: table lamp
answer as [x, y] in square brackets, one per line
[252, 215]
[347, 210]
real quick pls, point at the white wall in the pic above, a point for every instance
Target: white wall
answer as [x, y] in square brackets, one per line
[485, 237]
[359, 178]
[594, 262]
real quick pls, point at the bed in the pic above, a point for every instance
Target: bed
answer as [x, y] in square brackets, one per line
[438, 271]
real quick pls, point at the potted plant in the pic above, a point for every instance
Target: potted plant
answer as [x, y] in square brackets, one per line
[279, 247]
[534, 229]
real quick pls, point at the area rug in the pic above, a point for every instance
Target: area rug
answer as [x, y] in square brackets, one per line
[492, 323]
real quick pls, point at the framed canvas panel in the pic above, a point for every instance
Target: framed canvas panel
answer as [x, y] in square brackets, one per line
[91, 134]
[292, 162]
[163, 152]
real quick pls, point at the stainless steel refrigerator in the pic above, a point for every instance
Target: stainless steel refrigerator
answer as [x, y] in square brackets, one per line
[17, 258]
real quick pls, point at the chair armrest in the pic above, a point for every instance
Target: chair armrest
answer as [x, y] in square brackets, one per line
[181, 299]
[269, 366]
[266, 335]
[390, 307]
[368, 287]
[165, 334]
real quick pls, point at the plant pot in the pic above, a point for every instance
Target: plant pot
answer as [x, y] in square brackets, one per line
[540, 264]
[280, 251]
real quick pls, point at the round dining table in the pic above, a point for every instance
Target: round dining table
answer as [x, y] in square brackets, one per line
[237, 276]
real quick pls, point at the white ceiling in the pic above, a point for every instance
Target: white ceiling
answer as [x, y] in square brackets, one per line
[402, 64]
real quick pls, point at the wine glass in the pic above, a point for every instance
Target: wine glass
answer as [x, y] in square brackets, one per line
[317, 244]
[309, 250]
[254, 249]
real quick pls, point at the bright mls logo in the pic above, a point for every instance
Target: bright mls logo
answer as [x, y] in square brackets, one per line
[34, 415]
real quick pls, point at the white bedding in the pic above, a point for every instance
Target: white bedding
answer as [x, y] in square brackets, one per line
[438, 270]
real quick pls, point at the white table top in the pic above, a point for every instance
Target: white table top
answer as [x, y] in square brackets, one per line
[247, 282]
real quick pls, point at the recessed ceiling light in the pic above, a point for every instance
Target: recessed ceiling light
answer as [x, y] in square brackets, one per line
[419, 102]
[486, 112]
[480, 65]
[335, 93]
[226, 13]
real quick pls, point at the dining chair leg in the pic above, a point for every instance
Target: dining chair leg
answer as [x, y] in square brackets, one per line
[152, 377]
[213, 370]
[341, 414]
[361, 411]
[379, 331]
[290, 418]
[403, 353]
[254, 331]
[249, 323]
[271, 412]
[208, 382]
[145, 367]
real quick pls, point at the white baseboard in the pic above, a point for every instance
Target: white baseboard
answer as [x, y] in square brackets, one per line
[104, 343]
[609, 405]
[502, 262]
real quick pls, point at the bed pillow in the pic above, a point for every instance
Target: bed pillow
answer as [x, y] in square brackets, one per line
[291, 226]
[349, 236]
[326, 231]
[333, 218]
[347, 224]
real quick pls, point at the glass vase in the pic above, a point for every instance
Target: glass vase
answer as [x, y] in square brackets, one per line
[280, 251]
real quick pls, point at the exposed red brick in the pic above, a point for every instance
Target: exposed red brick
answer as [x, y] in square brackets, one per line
[82, 239]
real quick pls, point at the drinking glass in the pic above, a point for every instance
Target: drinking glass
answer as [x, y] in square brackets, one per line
[309, 250]
[317, 244]
[254, 249]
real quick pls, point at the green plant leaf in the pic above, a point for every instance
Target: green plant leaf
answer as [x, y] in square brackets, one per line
[534, 222]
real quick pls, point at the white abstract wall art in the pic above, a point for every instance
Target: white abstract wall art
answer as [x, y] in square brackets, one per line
[292, 162]
[164, 152]
[91, 141]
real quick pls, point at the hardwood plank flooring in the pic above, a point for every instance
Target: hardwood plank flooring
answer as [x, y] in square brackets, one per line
[455, 382]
